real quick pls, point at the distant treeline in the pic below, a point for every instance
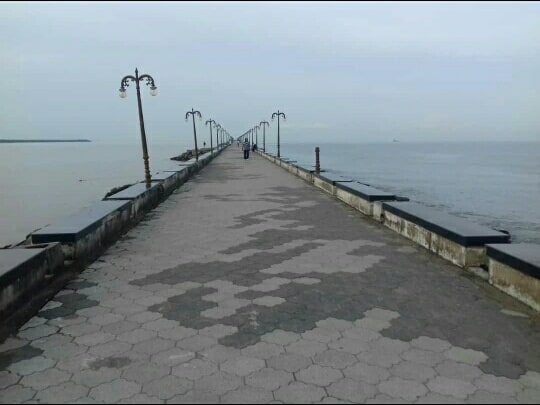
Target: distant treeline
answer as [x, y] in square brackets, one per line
[42, 140]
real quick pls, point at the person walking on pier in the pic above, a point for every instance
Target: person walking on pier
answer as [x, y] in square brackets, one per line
[246, 148]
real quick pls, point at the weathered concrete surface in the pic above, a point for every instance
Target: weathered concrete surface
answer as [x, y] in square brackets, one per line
[248, 285]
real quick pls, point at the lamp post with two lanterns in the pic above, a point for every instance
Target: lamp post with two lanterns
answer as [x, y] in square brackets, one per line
[153, 91]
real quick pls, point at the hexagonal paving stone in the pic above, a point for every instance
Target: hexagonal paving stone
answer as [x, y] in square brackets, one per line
[381, 314]
[361, 334]
[220, 354]
[93, 378]
[466, 356]
[350, 390]
[142, 399]
[402, 389]
[425, 357]
[7, 379]
[269, 379]
[263, 350]
[115, 391]
[247, 395]
[321, 335]
[451, 387]
[289, 362]
[30, 366]
[413, 371]
[195, 369]
[145, 372]
[485, 397]
[153, 346]
[498, 385]
[218, 331]
[242, 366]
[317, 375]
[335, 359]
[136, 336]
[94, 339]
[37, 332]
[458, 371]
[64, 393]
[16, 394]
[173, 357]
[218, 384]
[367, 373]
[307, 348]
[335, 324]
[280, 337]
[177, 333]
[44, 379]
[299, 393]
[12, 344]
[109, 349]
[160, 324]
[431, 344]
[167, 387]
[197, 343]
[352, 346]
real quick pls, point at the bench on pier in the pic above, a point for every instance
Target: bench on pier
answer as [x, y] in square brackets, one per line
[85, 233]
[142, 198]
[23, 270]
[515, 269]
[327, 181]
[170, 178]
[455, 239]
[362, 197]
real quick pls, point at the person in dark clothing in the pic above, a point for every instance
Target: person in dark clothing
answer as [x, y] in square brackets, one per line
[246, 148]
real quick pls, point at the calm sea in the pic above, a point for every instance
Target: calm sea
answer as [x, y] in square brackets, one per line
[495, 184]
[44, 182]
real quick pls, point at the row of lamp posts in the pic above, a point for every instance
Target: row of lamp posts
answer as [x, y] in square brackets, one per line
[153, 91]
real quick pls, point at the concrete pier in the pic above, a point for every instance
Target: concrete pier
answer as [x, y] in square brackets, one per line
[249, 285]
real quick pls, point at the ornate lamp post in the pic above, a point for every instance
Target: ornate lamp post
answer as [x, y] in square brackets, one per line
[264, 124]
[218, 127]
[256, 127]
[278, 114]
[193, 113]
[153, 91]
[211, 121]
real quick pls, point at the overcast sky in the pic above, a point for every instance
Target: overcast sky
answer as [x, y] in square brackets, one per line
[342, 72]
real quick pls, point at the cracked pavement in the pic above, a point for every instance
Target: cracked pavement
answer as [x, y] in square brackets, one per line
[248, 285]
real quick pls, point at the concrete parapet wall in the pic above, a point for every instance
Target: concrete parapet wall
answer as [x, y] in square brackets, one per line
[360, 204]
[515, 283]
[25, 269]
[462, 256]
[324, 185]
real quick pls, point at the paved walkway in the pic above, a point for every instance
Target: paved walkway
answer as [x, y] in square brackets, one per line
[249, 285]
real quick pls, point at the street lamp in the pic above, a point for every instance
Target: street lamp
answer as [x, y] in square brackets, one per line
[153, 91]
[193, 113]
[211, 121]
[264, 125]
[256, 127]
[278, 114]
[218, 127]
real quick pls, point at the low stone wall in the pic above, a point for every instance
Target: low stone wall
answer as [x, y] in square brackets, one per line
[515, 269]
[23, 270]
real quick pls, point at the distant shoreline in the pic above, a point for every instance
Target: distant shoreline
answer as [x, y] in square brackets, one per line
[42, 140]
